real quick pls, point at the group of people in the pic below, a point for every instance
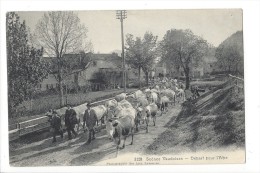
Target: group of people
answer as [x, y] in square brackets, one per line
[70, 120]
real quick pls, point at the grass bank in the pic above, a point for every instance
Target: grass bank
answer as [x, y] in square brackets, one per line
[213, 122]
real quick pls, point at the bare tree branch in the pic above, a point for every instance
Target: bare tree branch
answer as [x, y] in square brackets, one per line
[60, 33]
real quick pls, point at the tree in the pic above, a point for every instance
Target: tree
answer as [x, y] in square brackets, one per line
[229, 54]
[141, 53]
[183, 49]
[60, 33]
[26, 67]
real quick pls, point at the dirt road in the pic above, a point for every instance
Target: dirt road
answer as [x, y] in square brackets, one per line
[76, 152]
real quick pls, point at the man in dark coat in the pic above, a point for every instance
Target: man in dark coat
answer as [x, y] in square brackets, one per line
[56, 127]
[90, 120]
[86, 115]
[70, 121]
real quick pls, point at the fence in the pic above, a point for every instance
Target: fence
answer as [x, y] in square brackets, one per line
[38, 124]
[43, 104]
[238, 83]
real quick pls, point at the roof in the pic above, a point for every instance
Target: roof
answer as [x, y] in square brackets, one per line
[79, 61]
[107, 57]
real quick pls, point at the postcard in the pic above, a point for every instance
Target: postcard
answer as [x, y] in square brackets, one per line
[125, 87]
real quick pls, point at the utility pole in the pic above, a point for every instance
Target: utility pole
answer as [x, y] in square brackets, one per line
[121, 14]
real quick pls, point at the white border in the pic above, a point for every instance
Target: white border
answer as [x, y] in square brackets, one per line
[251, 49]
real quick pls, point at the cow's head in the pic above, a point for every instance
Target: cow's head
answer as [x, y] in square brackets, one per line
[116, 130]
[110, 115]
[130, 96]
[115, 123]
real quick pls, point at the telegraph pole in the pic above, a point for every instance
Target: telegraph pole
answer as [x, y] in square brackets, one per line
[121, 14]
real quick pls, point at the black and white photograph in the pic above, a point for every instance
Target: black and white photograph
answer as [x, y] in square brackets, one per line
[125, 87]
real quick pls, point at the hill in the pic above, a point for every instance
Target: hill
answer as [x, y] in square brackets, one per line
[230, 54]
[234, 39]
[214, 121]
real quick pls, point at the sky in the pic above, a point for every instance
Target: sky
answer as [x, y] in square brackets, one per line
[104, 30]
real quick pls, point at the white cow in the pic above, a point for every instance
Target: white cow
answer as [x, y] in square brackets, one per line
[120, 97]
[111, 103]
[80, 110]
[163, 102]
[146, 90]
[142, 102]
[123, 127]
[181, 95]
[151, 111]
[157, 87]
[155, 90]
[152, 97]
[109, 129]
[119, 113]
[124, 103]
[127, 112]
[115, 111]
[137, 94]
[170, 94]
[100, 112]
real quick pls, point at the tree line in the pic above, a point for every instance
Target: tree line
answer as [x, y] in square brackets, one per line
[60, 33]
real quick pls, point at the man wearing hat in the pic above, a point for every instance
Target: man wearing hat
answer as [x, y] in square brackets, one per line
[70, 121]
[49, 114]
[89, 120]
[86, 115]
[56, 127]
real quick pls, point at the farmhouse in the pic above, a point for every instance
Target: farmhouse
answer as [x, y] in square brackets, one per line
[77, 74]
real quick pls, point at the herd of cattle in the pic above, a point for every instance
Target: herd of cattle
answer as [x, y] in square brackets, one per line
[122, 116]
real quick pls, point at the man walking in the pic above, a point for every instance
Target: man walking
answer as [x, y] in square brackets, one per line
[90, 121]
[70, 121]
[86, 115]
[56, 127]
